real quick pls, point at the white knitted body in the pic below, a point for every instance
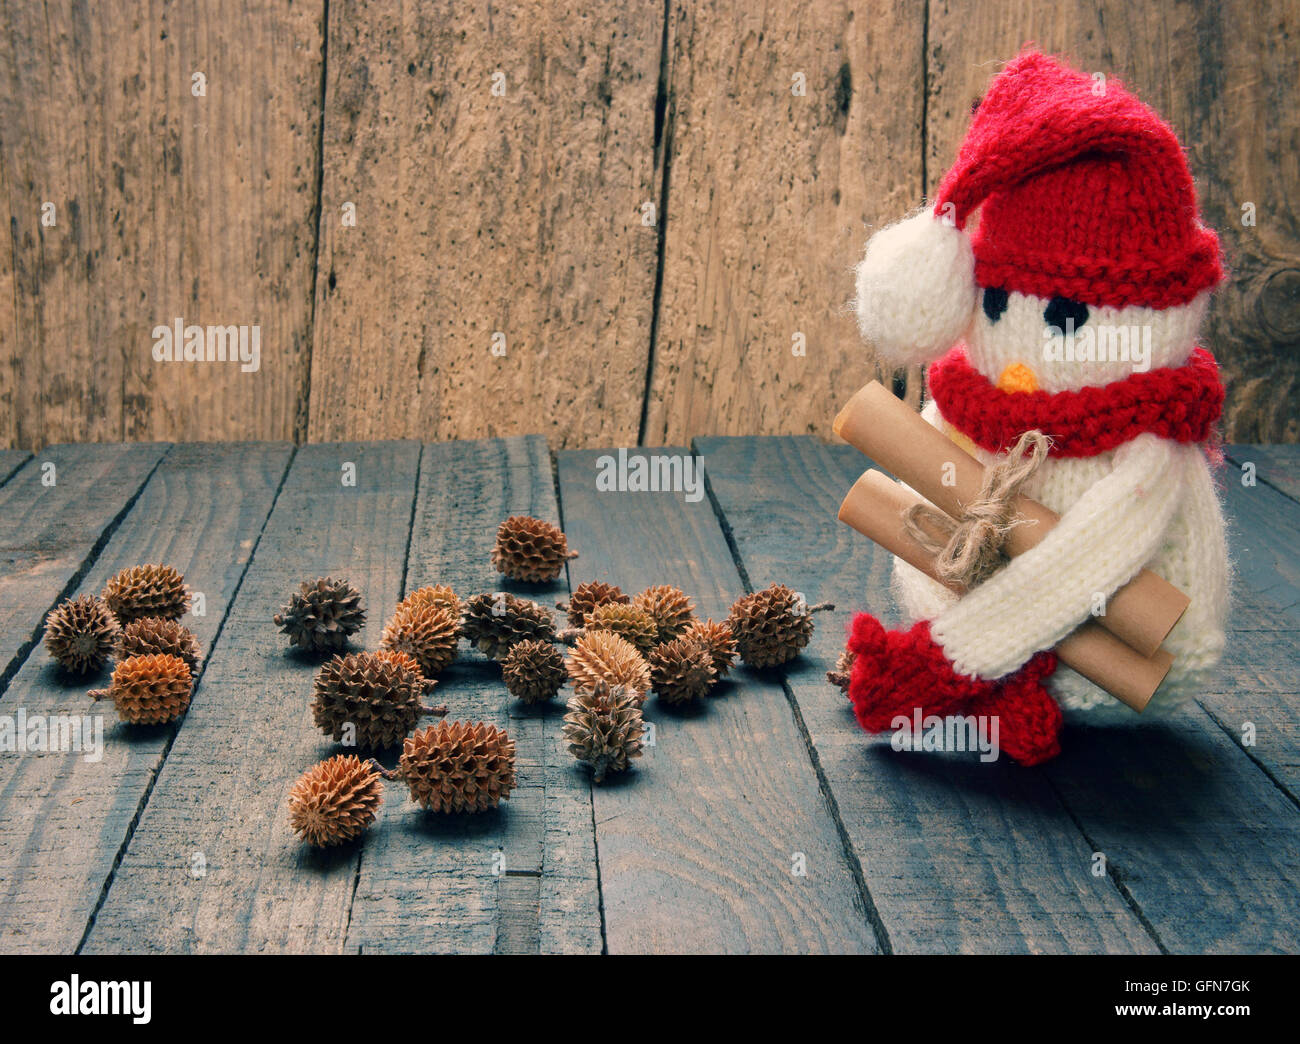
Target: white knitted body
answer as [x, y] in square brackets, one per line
[1169, 521]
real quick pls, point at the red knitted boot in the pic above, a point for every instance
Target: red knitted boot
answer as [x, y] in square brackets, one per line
[1029, 720]
[896, 672]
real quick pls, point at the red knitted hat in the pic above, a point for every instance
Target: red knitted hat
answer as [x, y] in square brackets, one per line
[1083, 192]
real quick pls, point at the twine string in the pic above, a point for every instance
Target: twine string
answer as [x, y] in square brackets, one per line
[970, 550]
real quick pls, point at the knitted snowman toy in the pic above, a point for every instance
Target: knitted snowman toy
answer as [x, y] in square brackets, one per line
[1072, 308]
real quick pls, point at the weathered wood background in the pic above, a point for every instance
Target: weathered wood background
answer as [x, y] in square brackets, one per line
[648, 215]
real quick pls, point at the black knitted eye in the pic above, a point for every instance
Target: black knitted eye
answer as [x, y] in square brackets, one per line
[995, 303]
[1061, 310]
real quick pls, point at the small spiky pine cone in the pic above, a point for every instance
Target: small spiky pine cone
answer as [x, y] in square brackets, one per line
[496, 621]
[434, 594]
[605, 658]
[454, 766]
[147, 590]
[81, 634]
[531, 550]
[149, 689]
[771, 626]
[604, 728]
[718, 639]
[589, 594]
[533, 671]
[406, 662]
[670, 608]
[152, 634]
[322, 614]
[335, 801]
[681, 671]
[377, 694]
[429, 633]
[627, 621]
[843, 672]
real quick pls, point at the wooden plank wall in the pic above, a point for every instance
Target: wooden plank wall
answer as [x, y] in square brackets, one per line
[643, 209]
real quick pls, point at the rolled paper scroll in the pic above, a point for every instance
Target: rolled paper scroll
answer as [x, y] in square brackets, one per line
[891, 433]
[875, 507]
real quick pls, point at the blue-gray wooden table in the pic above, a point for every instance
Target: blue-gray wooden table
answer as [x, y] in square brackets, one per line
[762, 821]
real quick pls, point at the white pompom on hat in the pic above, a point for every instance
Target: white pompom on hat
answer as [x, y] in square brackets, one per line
[916, 291]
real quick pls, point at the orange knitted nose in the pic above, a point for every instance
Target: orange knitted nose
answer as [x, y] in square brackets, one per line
[1018, 378]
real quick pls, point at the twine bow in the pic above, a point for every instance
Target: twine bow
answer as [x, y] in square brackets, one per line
[971, 549]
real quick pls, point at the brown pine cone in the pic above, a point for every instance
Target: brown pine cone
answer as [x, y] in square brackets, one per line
[335, 801]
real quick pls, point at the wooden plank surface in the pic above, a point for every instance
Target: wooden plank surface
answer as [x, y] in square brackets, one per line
[478, 214]
[1210, 69]
[10, 461]
[54, 514]
[522, 878]
[1278, 466]
[770, 196]
[166, 205]
[957, 855]
[699, 846]
[1207, 847]
[221, 796]
[1256, 696]
[67, 819]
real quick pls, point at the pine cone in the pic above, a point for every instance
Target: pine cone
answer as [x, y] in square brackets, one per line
[335, 801]
[495, 622]
[457, 767]
[718, 639]
[586, 596]
[427, 632]
[771, 626]
[681, 671]
[322, 614]
[81, 634]
[148, 689]
[152, 634]
[843, 673]
[378, 694]
[604, 728]
[531, 550]
[435, 594]
[406, 662]
[147, 590]
[670, 608]
[627, 621]
[602, 657]
[533, 671]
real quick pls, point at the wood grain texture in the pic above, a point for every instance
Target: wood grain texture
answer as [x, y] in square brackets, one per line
[167, 205]
[958, 856]
[770, 198]
[1277, 466]
[66, 818]
[698, 843]
[222, 793]
[49, 532]
[479, 214]
[10, 461]
[1227, 78]
[1202, 840]
[522, 878]
[1256, 694]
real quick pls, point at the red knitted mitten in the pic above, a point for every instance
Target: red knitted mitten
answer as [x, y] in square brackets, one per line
[895, 672]
[1029, 720]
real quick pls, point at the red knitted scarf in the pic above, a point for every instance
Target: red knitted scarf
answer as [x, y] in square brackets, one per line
[1180, 403]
